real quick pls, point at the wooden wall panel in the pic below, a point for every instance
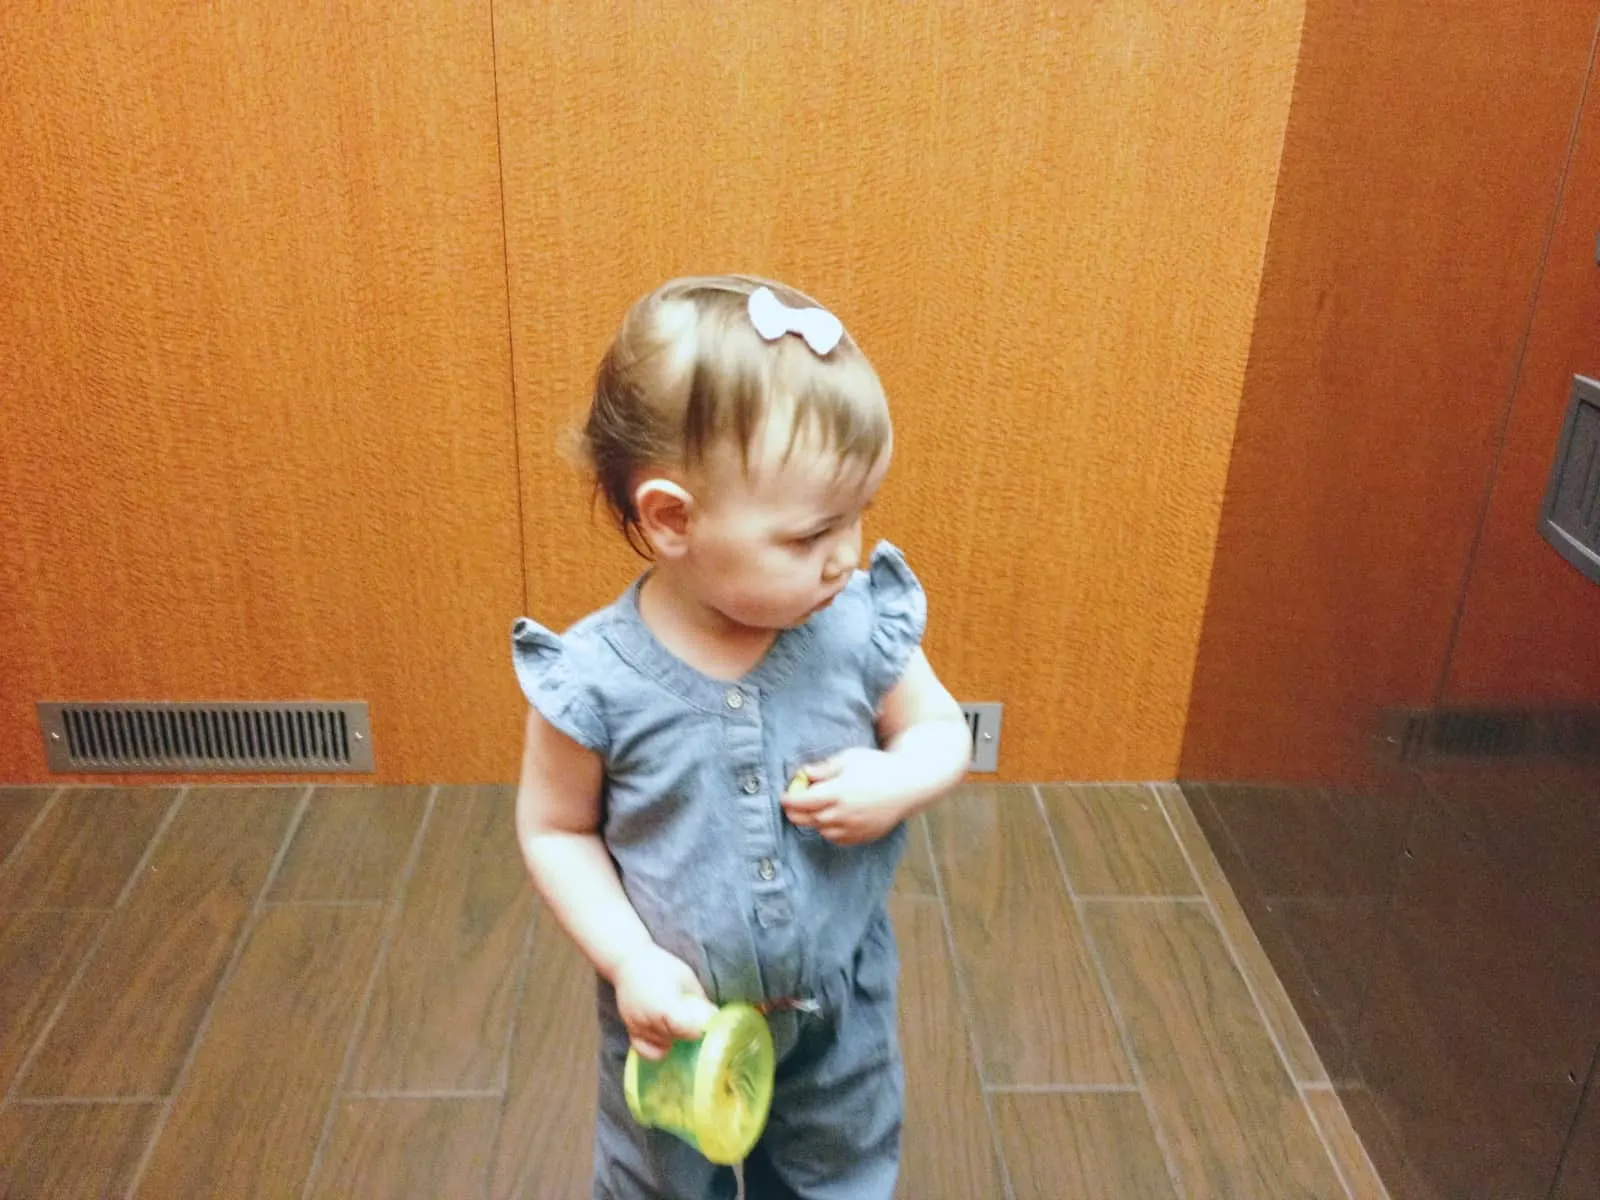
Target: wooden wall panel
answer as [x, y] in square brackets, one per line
[1419, 175]
[256, 427]
[1530, 627]
[1044, 223]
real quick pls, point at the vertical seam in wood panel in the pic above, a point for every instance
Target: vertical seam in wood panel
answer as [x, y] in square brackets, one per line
[511, 331]
[1097, 962]
[364, 1008]
[1490, 484]
[159, 1125]
[1255, 998]
[953, 964]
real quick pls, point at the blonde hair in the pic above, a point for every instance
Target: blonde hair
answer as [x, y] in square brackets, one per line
[687, 371]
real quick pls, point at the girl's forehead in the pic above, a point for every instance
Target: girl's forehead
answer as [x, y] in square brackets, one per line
[796, 472]
[805, 457]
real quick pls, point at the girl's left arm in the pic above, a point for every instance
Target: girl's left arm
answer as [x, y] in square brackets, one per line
[923, 728]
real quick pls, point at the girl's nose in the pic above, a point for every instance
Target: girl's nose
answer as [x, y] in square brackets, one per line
[846, 557]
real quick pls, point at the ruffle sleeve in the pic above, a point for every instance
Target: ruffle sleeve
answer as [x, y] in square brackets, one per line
[552, 681]
[899, 618]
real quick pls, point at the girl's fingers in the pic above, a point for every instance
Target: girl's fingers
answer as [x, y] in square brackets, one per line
[821, 772]
[647, 1048]
[690, 1017]
[811, 802]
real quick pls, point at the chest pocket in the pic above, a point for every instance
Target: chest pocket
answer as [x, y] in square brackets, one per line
[819, 748]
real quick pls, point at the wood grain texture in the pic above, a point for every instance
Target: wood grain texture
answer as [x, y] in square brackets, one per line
[253, 330]
[351, 845]
[1080, 1147]
[272, 1077]
[1314, 871]
[38, 954]
[1115, 841]
[133, 1015]
[1530, 624]
[1234, 1122]
[1345, 1145]
[1038, 1011]
[250, 1111]
[443, 1002]
[915, 876]
[947, 1149]
[394, 1149]
[546, 1139]
[19, 809]
[1380, 370]
[85, 850]
[1304, 1062]
[72, 1152]
[1044, 224]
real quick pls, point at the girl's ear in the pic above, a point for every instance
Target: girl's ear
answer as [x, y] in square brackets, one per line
[666, 511]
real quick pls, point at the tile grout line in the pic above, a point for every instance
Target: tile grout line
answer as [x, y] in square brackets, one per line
[1361, 1146]
[1112, 898]
[1098, 963]
[1228, 939]
[379, 959]
[167, 818]
[519, 997]
[436, 1094]
[33, 825]
[1062, 1089]
[1291, 951]
[71, 1101]
[246, 933]
[964, 1001]
[91, 951]
[1255, 998]
[519, 989]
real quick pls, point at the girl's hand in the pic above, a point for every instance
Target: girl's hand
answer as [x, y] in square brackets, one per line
[853, 797]
[661, 1001]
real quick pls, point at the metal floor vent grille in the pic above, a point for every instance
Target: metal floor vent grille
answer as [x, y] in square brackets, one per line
[242, 738]
[983, 720]
[1420, 736]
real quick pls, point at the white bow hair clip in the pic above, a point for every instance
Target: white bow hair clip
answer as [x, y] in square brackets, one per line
[773, 318]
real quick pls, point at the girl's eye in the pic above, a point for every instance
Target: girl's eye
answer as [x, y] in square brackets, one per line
[811, 539]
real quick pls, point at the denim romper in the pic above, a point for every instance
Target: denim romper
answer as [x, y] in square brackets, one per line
[762, 911]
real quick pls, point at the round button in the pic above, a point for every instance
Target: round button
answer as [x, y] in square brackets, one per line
[752, 784]
[734, 699]
[766, 869]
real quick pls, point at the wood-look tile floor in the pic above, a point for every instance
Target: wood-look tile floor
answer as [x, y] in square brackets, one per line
[353, 992]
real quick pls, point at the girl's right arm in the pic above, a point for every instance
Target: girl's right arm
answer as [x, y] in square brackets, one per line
[558, 824]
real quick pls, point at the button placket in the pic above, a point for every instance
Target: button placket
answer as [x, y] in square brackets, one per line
[749, 779]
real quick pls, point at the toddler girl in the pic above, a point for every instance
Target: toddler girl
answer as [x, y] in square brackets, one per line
[737, 434]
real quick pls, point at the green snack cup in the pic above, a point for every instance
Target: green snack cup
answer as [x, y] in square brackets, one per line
[715, 1093]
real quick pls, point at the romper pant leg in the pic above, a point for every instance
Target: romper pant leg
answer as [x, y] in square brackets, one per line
[632, 1162]
[834, 1133]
